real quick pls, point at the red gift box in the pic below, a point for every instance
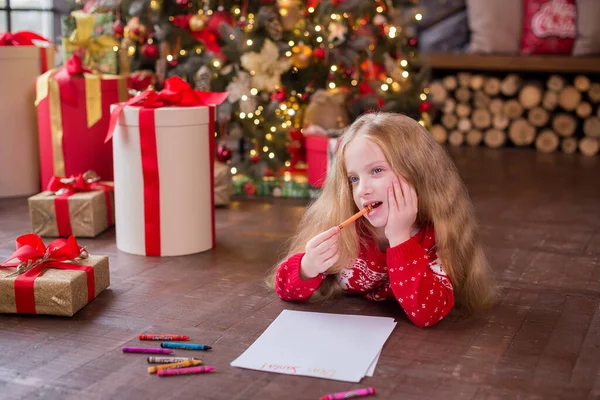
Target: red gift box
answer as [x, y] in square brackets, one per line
[319, 155]
[73, 107]
[316, 159]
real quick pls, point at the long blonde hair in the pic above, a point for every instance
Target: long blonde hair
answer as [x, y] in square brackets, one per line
[443, 201]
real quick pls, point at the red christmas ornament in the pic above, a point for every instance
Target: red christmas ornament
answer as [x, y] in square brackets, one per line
[255, 159]
[413, 41]
[337, 2]
[150, 51]
[319, 54]
[182, 3]
[424, 106]
[249, 188]
[118, 29]
[223, 153]
[173, 63]
[279, 95]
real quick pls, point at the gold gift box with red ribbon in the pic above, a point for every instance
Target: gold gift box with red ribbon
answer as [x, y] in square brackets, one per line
[80, 205]
[56, 280]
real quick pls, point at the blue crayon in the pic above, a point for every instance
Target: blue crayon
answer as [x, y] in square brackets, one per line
[187, 346]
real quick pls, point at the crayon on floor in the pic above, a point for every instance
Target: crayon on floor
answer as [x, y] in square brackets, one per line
[157, 336]
[185, 371]
[186, 346]
[146, 350]
[350, 394]
[168, 360]
[181, 364]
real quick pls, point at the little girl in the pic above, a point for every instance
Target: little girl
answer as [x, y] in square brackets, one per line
[420, 243]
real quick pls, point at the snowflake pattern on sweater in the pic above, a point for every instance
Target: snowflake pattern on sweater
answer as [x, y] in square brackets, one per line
[410, 273]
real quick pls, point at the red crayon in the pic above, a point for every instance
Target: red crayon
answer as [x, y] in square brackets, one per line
[151, 336]
[185, 371]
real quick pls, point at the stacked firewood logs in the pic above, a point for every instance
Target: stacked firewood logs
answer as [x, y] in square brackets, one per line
[557, 114]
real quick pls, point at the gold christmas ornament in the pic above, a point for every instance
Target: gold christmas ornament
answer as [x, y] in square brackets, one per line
[301, 56]
[197, 22]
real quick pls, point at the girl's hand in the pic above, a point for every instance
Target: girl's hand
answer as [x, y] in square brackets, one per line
[321, 253]
[402, 213]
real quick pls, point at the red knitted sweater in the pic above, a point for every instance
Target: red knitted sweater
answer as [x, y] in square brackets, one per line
[410, 273]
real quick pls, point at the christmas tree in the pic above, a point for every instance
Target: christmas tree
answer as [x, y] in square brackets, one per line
[287, 64]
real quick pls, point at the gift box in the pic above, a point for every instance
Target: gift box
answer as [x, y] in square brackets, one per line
[320, 149]
[21, 62]
[296, 187]
[58, 280]
[81, 206]
[164, 148]
[93, 36]
[265, 186]
[73, 108]
[223, 186]
[238, 182]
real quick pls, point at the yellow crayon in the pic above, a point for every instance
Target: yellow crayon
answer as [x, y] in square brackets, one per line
[182, 364]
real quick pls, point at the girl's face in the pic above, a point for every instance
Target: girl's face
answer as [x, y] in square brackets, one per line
[370, 176]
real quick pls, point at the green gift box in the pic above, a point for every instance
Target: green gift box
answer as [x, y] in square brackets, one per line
[93, 34]
[266, 185]
[238, 181]
[298, 189]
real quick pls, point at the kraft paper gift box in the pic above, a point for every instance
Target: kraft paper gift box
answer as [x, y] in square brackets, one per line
[164, 147]
[72, 206]
[23, 57]
[58, 280]
[73, 108]
[223, 185]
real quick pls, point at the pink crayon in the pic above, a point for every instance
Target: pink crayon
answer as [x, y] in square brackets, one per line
[146, 350]
[185, 371]
[352, 393]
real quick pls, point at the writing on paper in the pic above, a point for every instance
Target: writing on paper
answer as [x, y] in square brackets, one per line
[296, 369]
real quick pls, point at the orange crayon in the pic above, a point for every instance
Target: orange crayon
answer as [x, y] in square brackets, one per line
[357, 216]
[182, 364]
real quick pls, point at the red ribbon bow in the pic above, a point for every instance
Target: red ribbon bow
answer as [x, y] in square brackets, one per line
[65, 187]
[23, 38]
[34, 257]
[73, 67]
[27, 38]
[176, 92]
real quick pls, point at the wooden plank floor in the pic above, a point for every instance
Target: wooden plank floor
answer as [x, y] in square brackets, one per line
[540, 218]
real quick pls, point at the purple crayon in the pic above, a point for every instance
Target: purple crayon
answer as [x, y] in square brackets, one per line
[352, 393]
[146, 350]
[185, 371]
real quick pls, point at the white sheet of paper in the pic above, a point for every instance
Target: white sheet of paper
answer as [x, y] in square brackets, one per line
[371, 369]
[331, 346]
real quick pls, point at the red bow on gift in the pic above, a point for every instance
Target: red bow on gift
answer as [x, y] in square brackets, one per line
[73, 67]
[78, 183]
[34, 257]
[23, 38]
[176, 92]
